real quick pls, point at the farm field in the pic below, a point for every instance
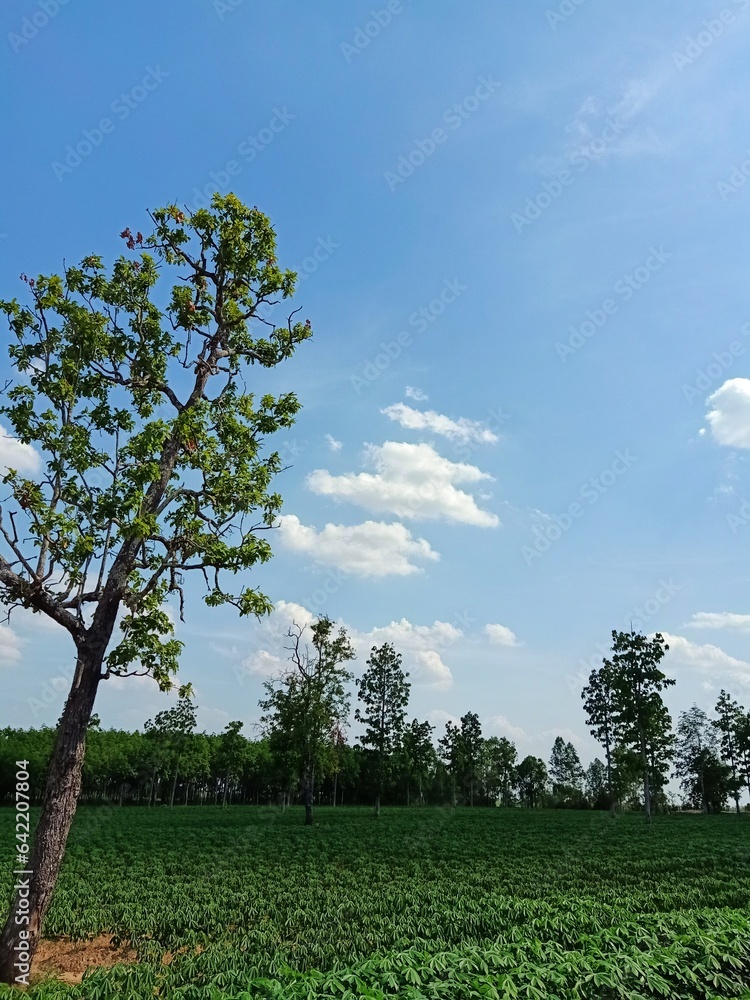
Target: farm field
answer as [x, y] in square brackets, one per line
[437, 903]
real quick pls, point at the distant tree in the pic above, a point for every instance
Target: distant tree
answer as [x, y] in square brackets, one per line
[640, 714]
[171, 729]
[417, 755]
[384, 693]
[450, 750]
[704, 778]
[470, 751]
[597, 788]
[728, 723]
[231, 749]
[566, 772]
[499, 757]
[531, 780]
[598, 702]
[303, 706]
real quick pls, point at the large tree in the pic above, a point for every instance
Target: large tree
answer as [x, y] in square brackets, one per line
[151, 468]
[728, 723]
[498, 763]
[640, 714]
[531, 780]
[384, 693]
[598, 703]
[704, 778]
[171, 731]
[309, 702]
[418, 757]
[566, 772]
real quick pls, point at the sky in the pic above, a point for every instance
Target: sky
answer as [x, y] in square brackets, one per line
[520, 233]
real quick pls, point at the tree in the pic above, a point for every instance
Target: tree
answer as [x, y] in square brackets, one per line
[704, 778]
[306, 704]
[231, 748]
[728, 723]
[598, 702]
[639, 712]
[499, 757]
[531, 780]
[151, 464]
[470, 751]
[449, 748]
[566, 772]
[172, 729]
[417, 755]
[597, 788]
[384, 692]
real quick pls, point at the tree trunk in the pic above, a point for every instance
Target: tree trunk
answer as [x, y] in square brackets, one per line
[407, 792]
[174, 785]
[377, 804]
[646, 783]
[335, 786]
[309, 784]
[34, 887]
[226, 786]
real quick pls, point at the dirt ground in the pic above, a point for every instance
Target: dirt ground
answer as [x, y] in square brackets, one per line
[68, 960]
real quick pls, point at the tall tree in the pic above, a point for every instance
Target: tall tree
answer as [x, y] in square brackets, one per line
[450, 750]
[531, 780]
[130, 498]
[697, 761]
[470, 751]
[231, 749]
[598, 702]
[172, 729]
[309, 701]
[566, 772]
[499, 757]
[384, 693]
[640, 713]
[728, 723]
[597, 789]
[417, 755]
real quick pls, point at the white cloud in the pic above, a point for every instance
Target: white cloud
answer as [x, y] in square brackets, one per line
[411, 480]
[462, 430]
[438, 717]
[411, 392]
[263, 663]
[706, 658]
[10, 645]
[499, 725]
[729, 416]
[369, 549]
[500, 635]
[332, 443]
[719, 619]
[16, 455]
[420, 646]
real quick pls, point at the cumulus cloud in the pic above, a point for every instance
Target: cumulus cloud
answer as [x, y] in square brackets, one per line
[421, 646]
[410, 481]
[729, 416]
[706, 658]
[499, 725]
[462, 430]
[719, 619]
[332, 443]
[369, 549]
[500, 635]
[411, 392]
[16, 455]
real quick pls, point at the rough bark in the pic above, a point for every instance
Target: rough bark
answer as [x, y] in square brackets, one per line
[61, 793]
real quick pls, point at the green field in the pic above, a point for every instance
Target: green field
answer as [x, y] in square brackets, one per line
[451, 903]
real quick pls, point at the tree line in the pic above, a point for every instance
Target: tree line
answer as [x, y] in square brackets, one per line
[303, 755]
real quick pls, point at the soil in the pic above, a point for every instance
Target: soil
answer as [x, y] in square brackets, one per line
[67, 960]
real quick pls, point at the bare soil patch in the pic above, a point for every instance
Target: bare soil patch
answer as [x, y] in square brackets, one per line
[67, 960]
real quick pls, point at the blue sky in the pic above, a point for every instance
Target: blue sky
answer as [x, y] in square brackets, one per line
[521, 233]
